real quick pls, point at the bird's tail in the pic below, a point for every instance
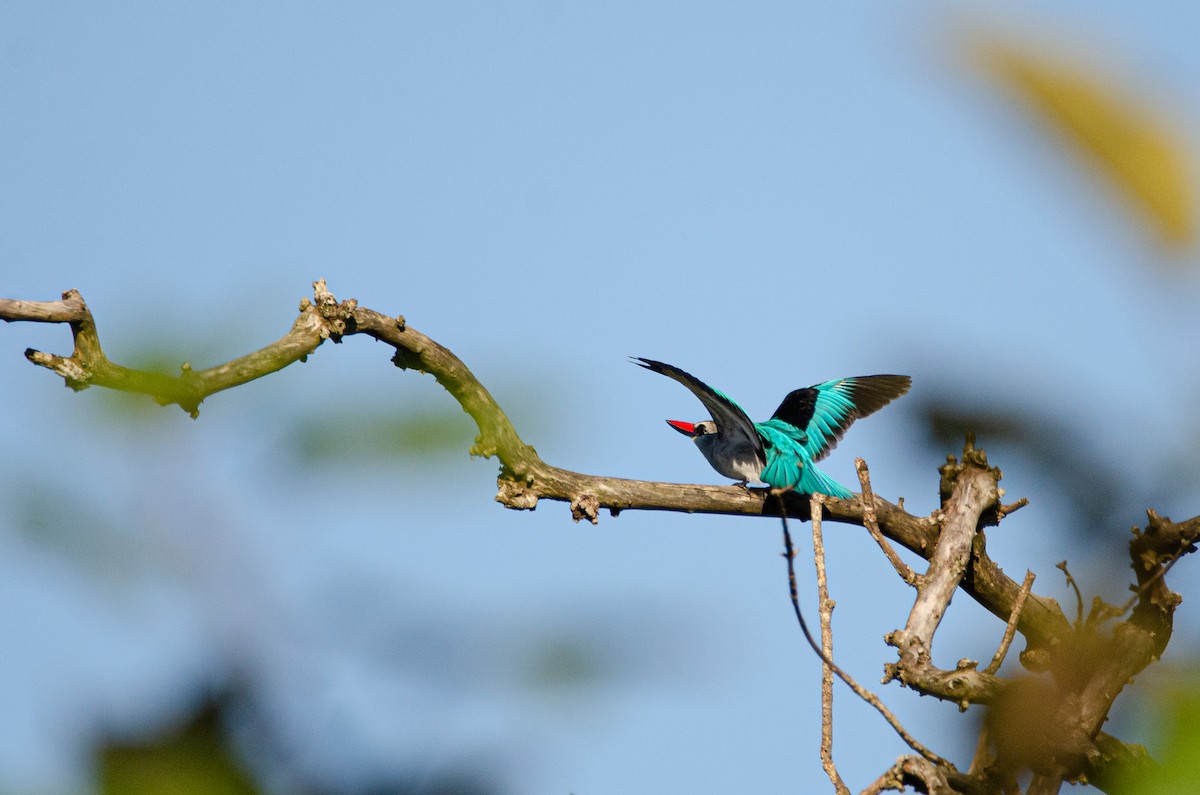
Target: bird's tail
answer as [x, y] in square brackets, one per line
[814, 481]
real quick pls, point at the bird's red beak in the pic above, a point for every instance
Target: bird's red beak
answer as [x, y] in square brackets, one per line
[686, 428]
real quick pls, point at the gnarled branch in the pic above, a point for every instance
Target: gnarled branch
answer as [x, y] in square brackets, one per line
[525, 478]
[975, 489]
[953, 540]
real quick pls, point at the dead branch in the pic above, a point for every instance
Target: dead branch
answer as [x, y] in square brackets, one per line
[953, 541]
[974, 490]
[825, 607]
[524, 478]
[1062, 566]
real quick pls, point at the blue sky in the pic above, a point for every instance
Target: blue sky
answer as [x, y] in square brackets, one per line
[766, 196]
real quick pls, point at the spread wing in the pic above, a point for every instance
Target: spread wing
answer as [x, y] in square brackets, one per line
[731, 420]
[824, 411]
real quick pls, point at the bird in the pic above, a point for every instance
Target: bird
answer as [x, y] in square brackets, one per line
[782, 451]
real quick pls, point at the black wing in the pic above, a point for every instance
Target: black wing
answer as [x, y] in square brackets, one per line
[731, 421]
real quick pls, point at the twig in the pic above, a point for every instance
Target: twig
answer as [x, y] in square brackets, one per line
[914, 771]
[891, 779]
[789, 554]
[70, 309]
[1011, 628]
[1004, 510]
[872, 524]
[825, 611]
[1075, 586]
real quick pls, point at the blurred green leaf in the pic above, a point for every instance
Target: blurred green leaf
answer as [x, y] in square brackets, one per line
[191, 761]
[564, 663]
[1178, 724]
[413, 434]
[67, 521]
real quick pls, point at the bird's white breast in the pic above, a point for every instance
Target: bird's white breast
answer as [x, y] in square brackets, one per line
[734, 460]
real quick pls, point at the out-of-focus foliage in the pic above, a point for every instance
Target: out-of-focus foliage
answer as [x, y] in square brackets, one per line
[1129, 142]
[68, 522]
[416, 434]
[193, 760]
[1050, 446]
[563, 663]
[1021, 721]
[1177, 722]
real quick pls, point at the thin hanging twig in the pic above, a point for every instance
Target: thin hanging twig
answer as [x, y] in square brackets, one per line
[825, 611]
[866, 695]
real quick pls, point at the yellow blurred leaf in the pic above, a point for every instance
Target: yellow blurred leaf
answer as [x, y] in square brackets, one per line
[1131, 143]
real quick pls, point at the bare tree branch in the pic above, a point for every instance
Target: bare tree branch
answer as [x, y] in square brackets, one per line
[825, 607]
[524, 478]
[986, 772]
[953, 541]
[974, 489]
[70, 309]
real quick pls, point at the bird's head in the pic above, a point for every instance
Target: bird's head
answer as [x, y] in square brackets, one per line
[694, 429]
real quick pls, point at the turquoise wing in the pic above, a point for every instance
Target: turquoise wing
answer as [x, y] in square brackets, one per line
[785, 464]
[789, 465]
[822, 413]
